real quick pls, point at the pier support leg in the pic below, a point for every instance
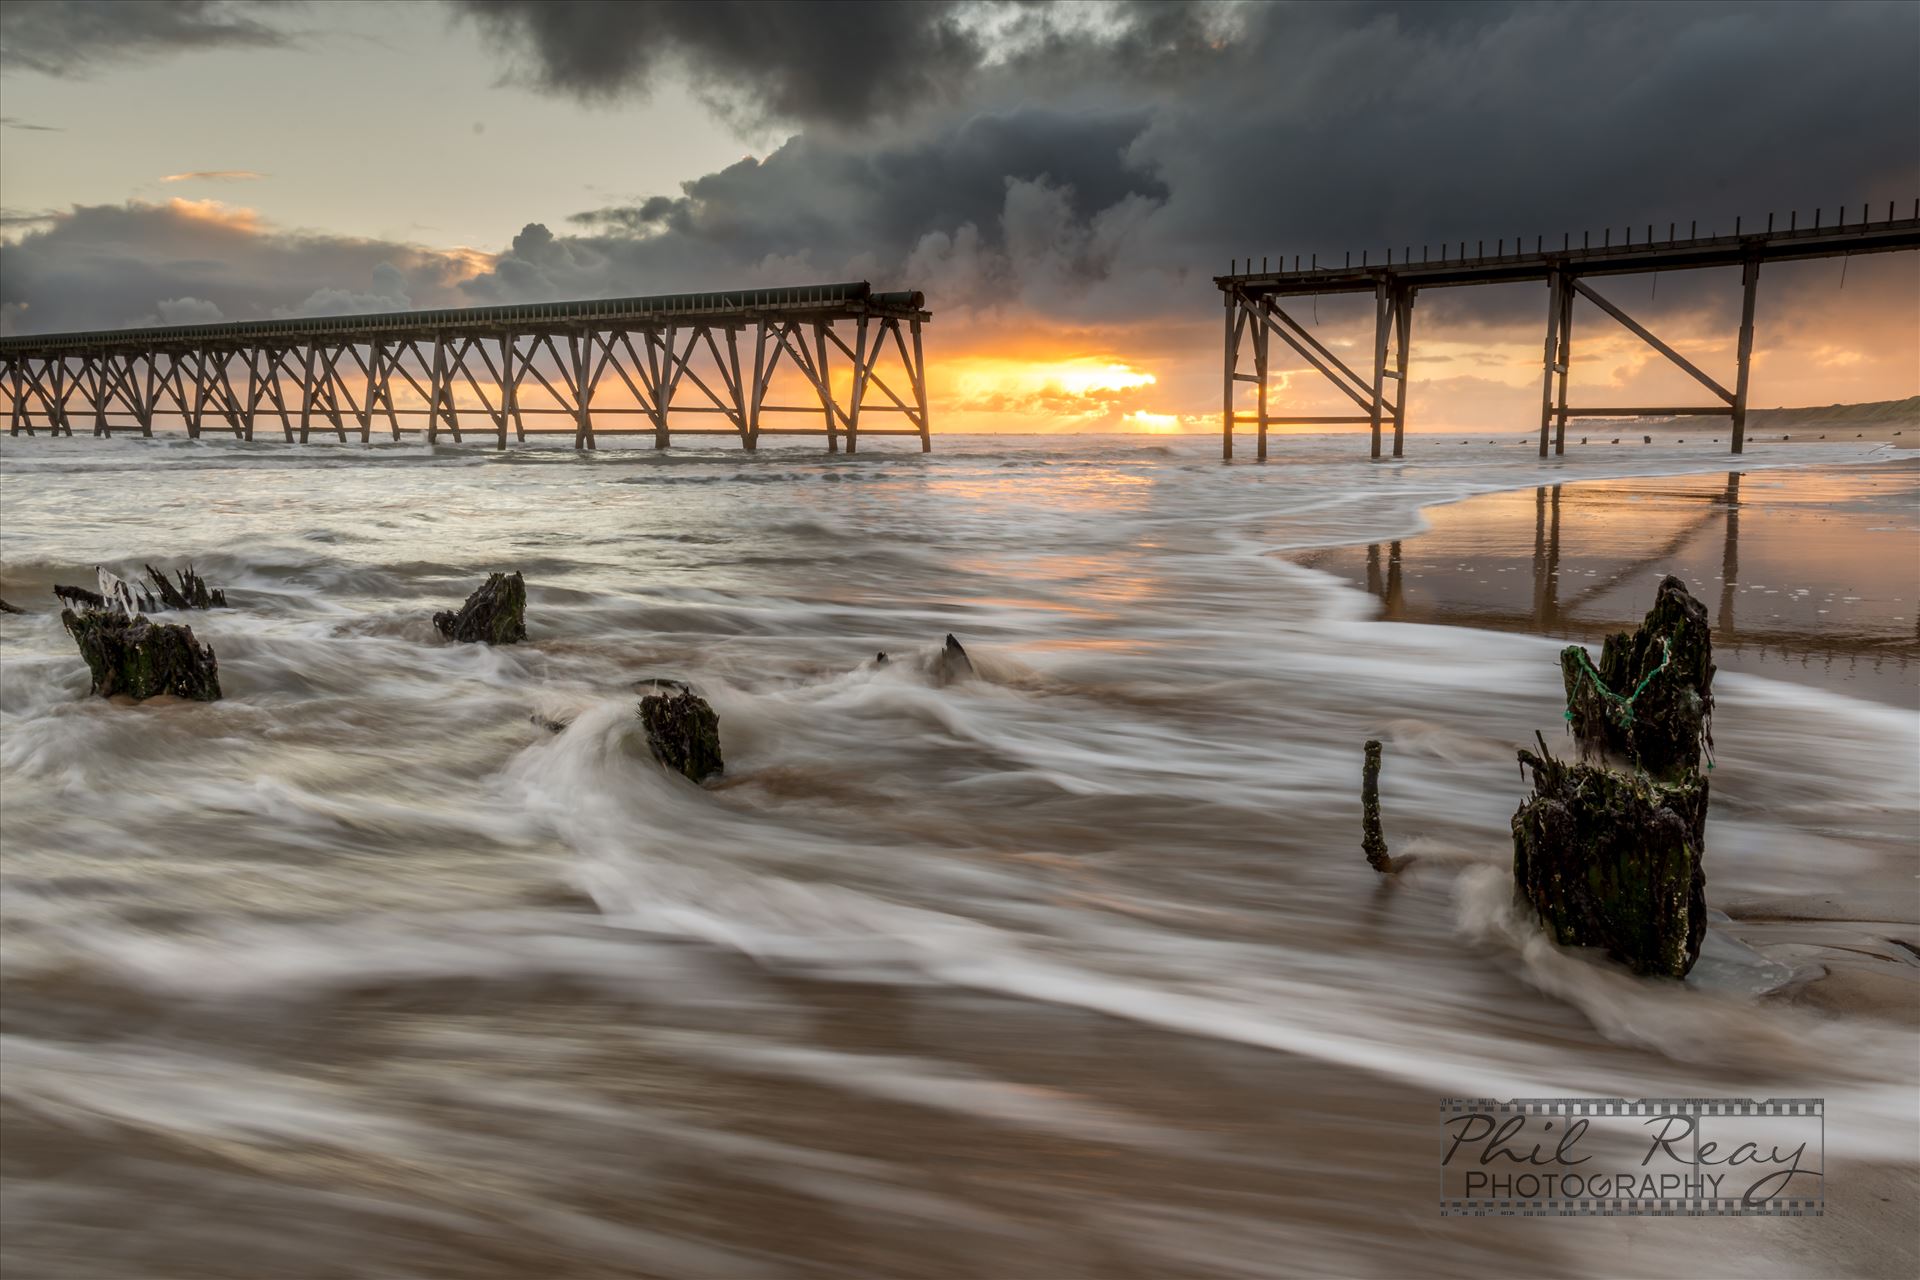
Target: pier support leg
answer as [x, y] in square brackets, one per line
[1232, 361]
[150, 398]
[826, 382]
[1556, 297]
[920, 390]
[1749, 280]
[1382, 317]
[1565, 363]
[862, 360]
[1260, 385]
[509, 391]
[1403, 312]
[581, 354]
[308, 389]
[435, 380]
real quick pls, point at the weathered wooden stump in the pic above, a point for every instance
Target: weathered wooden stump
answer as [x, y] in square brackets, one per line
[142, 659]
[953, 662]
[495, 614]
[1372, 841]
[79, 597]
[189, 591]
[1649, 702]
[682, 732]
[1610, 851]
[1614, 860]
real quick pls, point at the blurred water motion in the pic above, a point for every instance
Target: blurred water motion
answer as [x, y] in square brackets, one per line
[1071, 970]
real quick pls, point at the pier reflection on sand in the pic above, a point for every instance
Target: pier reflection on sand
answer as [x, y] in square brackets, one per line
[1808, 575]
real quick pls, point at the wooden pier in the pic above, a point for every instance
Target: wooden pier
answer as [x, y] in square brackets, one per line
[1255, 315]
[856, 352]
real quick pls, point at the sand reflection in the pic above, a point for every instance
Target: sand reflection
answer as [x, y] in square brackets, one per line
[1808, 575]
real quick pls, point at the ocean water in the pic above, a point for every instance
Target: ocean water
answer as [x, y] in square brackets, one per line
[1070, 969]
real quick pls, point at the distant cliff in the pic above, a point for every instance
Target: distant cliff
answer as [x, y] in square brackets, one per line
[1875, 413]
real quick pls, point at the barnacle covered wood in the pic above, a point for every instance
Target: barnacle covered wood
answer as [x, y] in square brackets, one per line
[495, 614]
[1372, 842]
[1614, 860]
[682, 732]
[1649, 701]
[142, 659]
[1610, 856]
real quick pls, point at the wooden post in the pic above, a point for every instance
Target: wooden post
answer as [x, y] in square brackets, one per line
[1232, 360]
[1555, 288]
[1749, 280]
[1380, 318]
[1372, 842]
[1405, 327]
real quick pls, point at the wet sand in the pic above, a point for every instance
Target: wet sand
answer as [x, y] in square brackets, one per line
[1809, 575]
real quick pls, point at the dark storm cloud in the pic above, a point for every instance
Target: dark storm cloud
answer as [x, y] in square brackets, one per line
[1304, 129]
[74, 37]
[110, 266]
[1402, 126]
[1027, 192]
[829, 62]
[836, 61]
[1097, 164]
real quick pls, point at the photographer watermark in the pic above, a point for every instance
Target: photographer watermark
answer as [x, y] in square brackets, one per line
[1659, 1157]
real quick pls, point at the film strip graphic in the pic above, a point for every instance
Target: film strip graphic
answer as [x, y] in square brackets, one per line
[1624, 1157]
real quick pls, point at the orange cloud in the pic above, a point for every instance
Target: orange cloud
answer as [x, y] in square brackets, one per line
[214, 175]
[218, 213]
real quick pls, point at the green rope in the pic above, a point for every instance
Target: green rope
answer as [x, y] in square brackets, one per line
[1624, 704]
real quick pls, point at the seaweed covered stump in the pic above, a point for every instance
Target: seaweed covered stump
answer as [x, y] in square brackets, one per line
[682, 732]
[1649, 702]
[1609, 851]
[495, 614]
[142, 659]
